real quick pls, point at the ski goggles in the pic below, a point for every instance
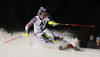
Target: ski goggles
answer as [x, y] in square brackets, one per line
[44, 13]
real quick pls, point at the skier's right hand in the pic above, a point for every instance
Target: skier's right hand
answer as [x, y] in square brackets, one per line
[26, 34]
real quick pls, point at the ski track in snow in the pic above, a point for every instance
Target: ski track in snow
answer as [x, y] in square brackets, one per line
[33, 47]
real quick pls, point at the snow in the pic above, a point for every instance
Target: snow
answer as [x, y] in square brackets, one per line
[33, 47]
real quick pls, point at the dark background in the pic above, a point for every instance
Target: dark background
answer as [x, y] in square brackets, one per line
[15, 14]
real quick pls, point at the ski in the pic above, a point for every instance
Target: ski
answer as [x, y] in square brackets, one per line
[74, 48]
[68, 45]
[61, 47]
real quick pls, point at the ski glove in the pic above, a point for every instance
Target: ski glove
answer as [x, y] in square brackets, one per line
[26, 34]
[52, 23]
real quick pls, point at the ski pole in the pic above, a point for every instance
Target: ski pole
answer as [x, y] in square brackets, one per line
[12, 39]
[77, 25]
[54, 23]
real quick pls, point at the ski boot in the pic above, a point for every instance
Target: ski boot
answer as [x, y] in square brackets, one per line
[73, 47]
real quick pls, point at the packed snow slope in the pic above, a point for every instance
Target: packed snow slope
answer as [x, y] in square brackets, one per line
[31, 46]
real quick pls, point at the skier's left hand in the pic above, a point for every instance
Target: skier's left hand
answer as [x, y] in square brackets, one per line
[53, 23]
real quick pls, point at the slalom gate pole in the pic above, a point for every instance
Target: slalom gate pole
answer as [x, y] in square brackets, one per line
[12, 39]
[77, 25]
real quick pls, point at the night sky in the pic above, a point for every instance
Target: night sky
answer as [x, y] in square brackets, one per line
[15, 14]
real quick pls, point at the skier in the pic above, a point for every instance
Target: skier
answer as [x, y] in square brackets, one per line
[40, 29]
[40, 21]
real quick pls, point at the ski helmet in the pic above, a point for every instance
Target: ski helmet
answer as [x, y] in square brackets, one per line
[42, 10]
